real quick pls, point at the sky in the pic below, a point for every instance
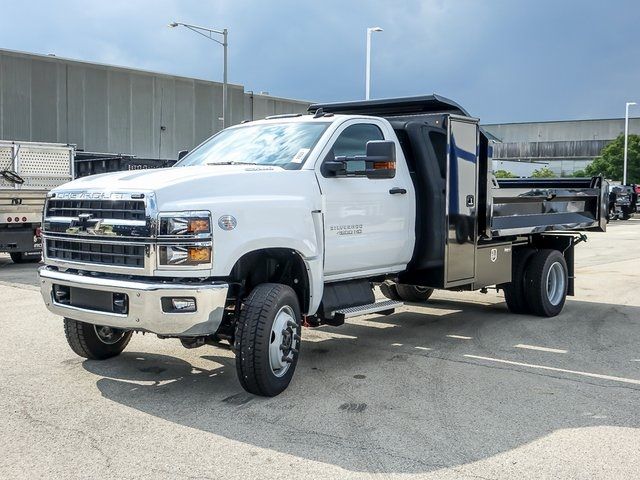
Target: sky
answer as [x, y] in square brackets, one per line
[503, 60]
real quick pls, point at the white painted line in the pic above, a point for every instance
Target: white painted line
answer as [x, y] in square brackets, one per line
[542, 349]
[396, 344]
[459, 337]
[554, 369]
[636, 360]
[423, 348]
[368, 323]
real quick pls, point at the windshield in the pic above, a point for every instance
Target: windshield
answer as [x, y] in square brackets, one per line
[284, 145]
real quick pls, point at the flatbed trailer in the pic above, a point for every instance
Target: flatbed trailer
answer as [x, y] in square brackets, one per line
[28, 170]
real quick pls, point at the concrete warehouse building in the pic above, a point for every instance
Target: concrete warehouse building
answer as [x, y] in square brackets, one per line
[566, 146]
[104, 108]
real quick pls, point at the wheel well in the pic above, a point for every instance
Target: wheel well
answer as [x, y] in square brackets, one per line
[273, 265]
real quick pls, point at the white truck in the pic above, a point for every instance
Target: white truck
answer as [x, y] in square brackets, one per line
[27, 171]
[293, 220]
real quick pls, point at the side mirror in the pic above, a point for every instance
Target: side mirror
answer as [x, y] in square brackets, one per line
[381, 159]
[379, 162]
[182, 154]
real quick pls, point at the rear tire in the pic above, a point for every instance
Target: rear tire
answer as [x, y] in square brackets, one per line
[267, 339]
[20, 257]
[546, 283]
[514, 291]
[94, 341]
[389, 290]
[413, 293]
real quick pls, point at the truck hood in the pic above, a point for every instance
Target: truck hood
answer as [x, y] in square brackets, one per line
[157, 179]
[204, 187]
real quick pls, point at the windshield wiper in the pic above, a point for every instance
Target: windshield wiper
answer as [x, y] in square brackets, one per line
[232, 163]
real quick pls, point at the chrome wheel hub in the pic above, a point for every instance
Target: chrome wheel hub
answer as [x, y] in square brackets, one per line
[555, 283]
[283, 341]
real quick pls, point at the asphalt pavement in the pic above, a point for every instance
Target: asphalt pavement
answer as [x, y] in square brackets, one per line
[457, 388]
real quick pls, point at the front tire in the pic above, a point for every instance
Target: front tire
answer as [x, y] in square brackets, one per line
[94, 341]
[546, 283]
[268, 339]
[413, 293]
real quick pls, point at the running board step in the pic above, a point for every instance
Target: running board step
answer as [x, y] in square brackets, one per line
[385, 307]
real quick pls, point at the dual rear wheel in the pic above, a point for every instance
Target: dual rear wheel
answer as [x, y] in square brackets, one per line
[404, 292]
[539, 284]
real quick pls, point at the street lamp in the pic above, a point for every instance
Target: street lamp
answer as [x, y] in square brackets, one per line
[626, 140]
[209, 33]
[370, 30]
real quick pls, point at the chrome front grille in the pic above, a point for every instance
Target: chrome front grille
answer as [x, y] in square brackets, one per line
[101, 231]
[99, 209]
[115, 254]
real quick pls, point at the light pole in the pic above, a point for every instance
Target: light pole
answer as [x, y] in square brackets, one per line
[626, 140]
[367, 87]
[208, 33]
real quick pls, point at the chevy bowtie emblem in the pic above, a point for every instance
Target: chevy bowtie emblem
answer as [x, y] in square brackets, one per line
[85, 225]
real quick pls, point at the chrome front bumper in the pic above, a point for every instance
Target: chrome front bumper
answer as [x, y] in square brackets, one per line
[145, 311]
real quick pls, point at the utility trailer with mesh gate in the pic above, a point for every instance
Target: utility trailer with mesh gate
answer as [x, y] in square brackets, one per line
[28, 170]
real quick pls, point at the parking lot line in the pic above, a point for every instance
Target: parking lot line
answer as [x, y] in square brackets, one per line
[542, 349]
[459, 337]
[423, 348]
[555, 369]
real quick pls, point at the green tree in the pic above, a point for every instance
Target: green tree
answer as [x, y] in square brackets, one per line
[504, 174]
[580, 174]
[544, 172]
[610, 161]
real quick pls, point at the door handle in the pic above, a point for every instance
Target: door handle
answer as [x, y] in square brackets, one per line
[471, 201]
[396, 190]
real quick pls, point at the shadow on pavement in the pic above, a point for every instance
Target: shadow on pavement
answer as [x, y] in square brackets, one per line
[21, 274]
[375, 403]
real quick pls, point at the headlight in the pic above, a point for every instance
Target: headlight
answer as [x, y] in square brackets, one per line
[185, 255]
[184, 240]
[185, 224]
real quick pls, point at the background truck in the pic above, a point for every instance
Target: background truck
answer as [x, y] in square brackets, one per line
[622, 201]
[293, 220]
[27, 172]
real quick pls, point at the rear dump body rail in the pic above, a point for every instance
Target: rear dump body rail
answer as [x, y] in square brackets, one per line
[527, 206]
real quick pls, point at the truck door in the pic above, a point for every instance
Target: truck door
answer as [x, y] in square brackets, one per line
[462, 199]
[369, 223]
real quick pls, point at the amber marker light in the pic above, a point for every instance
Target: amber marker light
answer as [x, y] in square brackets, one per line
[200, 254]
[199, 225]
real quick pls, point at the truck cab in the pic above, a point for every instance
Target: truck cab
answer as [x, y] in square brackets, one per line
[293, 220]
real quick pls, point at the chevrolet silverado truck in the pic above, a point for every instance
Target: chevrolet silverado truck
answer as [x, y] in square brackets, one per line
[293, 220]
